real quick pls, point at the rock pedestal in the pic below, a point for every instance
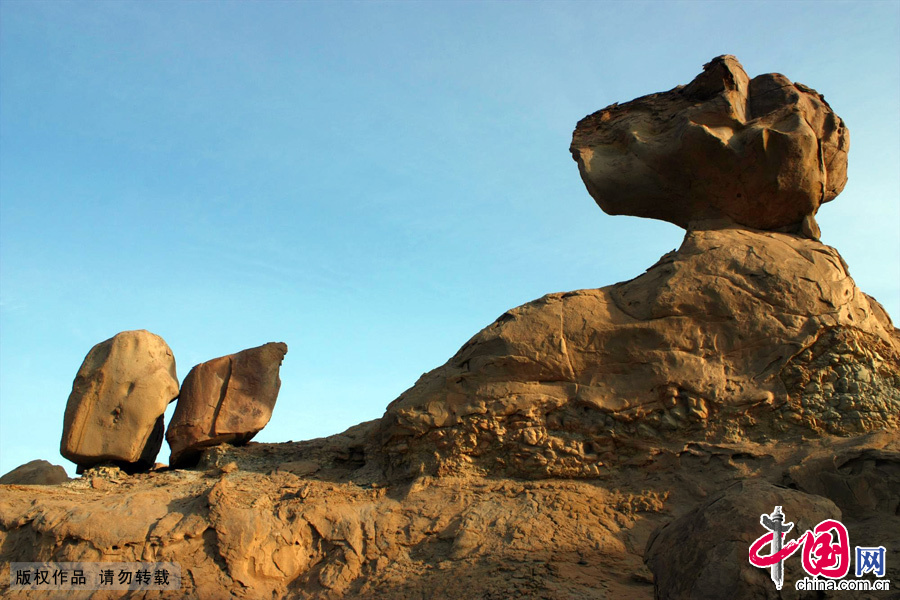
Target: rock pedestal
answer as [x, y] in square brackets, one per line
[227, 399]
[115, 410]
[752, 329]
[739, 334]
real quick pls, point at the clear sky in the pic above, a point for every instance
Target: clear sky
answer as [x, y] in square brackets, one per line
[369, 182]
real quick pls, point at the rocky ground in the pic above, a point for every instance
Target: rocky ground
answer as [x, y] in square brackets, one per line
[311, 520]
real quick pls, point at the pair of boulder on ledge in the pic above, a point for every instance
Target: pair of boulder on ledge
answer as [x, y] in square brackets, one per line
[120, 394]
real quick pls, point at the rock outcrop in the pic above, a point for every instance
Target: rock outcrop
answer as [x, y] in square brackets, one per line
[35, 472]
[763, 152]
[744, 332]
[227, 399]
[115, 410]
[739, 334]
[241, 526]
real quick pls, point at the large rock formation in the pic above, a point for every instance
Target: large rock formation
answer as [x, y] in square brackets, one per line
[739, 334]
[227, 399]
[763, 152]
[115, 410]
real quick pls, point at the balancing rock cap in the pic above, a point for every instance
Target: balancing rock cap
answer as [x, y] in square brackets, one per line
[764, 153]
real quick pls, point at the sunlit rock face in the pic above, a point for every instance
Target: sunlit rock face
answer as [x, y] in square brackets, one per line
[115, 410]
[737, 335]
[620, 441]
[763, 152]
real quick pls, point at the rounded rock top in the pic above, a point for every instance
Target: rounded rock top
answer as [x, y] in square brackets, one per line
[764, 153]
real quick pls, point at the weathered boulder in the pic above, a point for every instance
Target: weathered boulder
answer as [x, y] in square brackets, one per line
[863, 483]
[761, 152]
[227, 399]
[115, 410]
[704, 554]
[36, 472]
[739, 334]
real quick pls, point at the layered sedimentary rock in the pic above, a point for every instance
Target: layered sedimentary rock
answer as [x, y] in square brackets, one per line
[227, 399]
[115, 410]
[35, 472]
[763, 152]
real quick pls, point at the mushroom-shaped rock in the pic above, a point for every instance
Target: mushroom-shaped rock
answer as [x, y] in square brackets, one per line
[115, 410]
[763, 152]
[36, 472]
[227, 399]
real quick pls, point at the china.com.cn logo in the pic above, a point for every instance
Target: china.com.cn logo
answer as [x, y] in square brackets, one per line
[826, 553]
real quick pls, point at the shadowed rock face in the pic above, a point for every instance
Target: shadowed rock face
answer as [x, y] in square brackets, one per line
[115, 410]
[36, 472]
[227, 399]
[761, 152]
[703, 554]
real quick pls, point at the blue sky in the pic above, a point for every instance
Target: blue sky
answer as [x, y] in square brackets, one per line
[369, 182]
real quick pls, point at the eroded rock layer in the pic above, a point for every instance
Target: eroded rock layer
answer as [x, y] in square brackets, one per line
[241, 526]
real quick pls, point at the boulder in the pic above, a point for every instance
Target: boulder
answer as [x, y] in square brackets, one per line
[863, 483]
[115, 411]
[763, 152]
[704, 554]
[227, 399]
[36, 472]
